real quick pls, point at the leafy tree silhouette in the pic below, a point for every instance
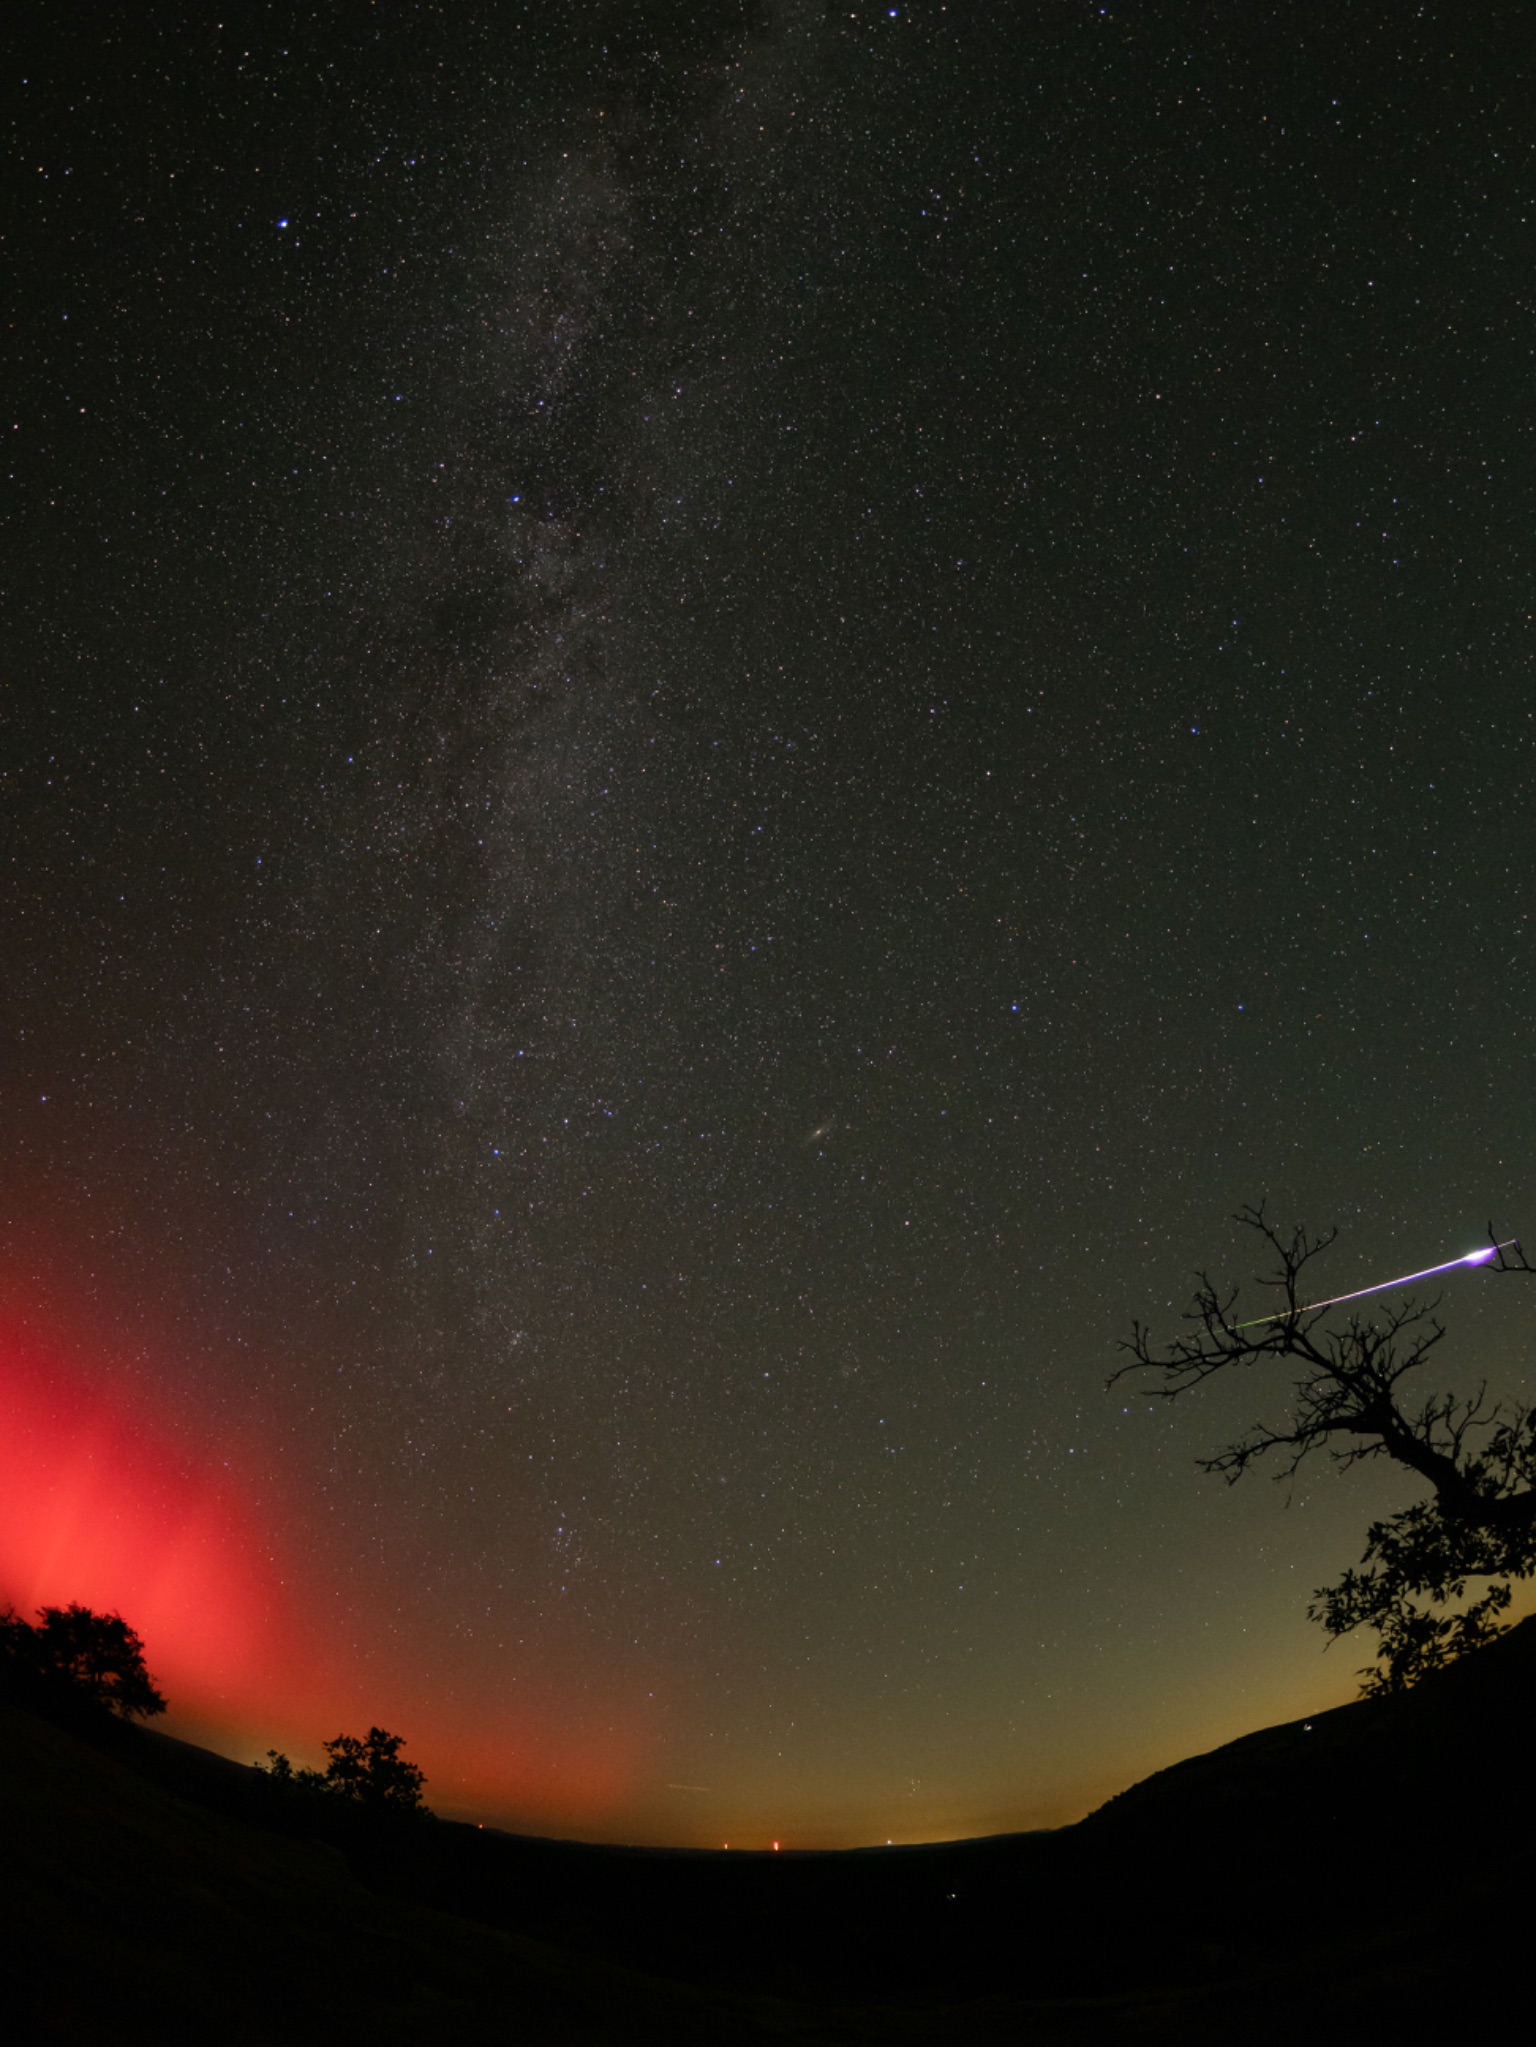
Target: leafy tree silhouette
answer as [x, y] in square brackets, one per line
[373, 1772]
[370, 1772]
[1350, 1399]
[78, 1654]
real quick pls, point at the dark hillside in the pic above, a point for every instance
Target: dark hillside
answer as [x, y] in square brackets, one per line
[1308, 1875]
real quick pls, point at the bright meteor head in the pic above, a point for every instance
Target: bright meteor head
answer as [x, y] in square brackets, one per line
[1479, 1257]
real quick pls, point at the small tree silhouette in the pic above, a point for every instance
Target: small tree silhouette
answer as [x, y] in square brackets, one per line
[370, 1773]
[78, 1653]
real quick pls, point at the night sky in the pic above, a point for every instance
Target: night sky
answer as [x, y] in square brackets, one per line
[717, 718]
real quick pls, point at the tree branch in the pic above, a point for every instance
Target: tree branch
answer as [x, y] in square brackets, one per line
[1347, 1396]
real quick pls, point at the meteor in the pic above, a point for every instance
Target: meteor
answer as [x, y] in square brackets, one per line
[1472, 1258]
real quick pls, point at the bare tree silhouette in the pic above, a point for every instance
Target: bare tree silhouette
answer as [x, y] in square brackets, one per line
[1351, 1398]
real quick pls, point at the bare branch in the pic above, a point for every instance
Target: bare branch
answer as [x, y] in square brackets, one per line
[1348, 1392]
[1507, 1257]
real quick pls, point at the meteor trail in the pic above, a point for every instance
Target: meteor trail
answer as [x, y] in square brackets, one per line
[1472, 1258]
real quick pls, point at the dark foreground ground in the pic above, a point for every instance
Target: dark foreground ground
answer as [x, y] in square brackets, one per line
[1362, 1877]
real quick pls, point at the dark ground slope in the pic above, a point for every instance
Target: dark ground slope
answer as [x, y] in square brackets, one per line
[1362, 1876]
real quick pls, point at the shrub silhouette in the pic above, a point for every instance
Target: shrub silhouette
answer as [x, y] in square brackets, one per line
[368, 1772]
[76, 1654]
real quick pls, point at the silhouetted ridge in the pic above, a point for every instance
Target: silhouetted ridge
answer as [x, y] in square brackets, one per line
[1195, 1896]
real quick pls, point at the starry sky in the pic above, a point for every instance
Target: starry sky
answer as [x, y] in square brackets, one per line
[717, 718]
